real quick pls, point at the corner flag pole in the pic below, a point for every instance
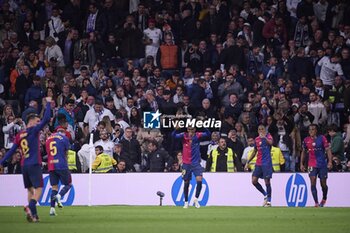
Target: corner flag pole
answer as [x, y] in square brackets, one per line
[91, 149]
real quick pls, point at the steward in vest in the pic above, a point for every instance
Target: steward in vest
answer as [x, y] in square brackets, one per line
[277, 159]
[73, 161]
[103, 163]
[223, 159]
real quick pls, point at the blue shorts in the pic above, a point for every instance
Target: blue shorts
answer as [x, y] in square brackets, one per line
[32, 176]
[60, 175]
[321, 172]
[188, 169]
[263, 171]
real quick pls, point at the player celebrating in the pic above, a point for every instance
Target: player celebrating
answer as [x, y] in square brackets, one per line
[263, 166]
[57, 146]
[316, 146]
[191, 160]
[28, 142]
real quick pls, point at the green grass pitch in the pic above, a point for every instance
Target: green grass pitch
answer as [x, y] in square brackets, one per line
[154, 219]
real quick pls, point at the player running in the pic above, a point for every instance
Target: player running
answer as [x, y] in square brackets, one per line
[57, 146]
[29, 144]
[316, 147]
[263, 167]
[191, 157]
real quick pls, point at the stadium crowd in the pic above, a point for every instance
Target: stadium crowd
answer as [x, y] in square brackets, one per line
[281, 63]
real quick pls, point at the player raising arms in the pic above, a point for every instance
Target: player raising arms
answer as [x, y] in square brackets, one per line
[316, 147]
[263, 166]
[57, 146]
[29, 144]
[191, 158]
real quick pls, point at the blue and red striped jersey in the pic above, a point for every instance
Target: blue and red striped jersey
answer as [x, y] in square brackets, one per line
[28, 141]
[57, 146]
[263, 150]
[191, 149]
[316, 149]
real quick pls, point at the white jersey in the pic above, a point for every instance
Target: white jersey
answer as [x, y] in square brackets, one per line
[107, 146]
[329, 70]
[156, 36]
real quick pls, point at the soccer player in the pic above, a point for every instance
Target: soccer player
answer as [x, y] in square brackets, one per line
[316, 147]
[28, 142]
[191, 160]
[263, 166]
[57, 146]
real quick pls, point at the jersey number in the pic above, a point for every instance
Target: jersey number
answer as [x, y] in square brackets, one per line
[25, 148]
[53, 148]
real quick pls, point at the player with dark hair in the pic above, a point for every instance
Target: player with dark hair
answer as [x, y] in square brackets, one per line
[28, 142]
[191, 157]
[57, 146]
[263, 166]
[316, 146]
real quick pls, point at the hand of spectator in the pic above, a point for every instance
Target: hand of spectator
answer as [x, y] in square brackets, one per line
[302, 168]
[246, 167]
[329, 165]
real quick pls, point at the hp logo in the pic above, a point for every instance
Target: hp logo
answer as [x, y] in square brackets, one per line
[296, 191]
[46, 195]
[178, 195]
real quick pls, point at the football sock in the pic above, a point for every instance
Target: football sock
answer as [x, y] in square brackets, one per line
[65, 189]
[260, 188]
[186, 186]
[325, 191]
[314, 193]
[268, 191]
[32, 207]
[53, 194]
[198, 188]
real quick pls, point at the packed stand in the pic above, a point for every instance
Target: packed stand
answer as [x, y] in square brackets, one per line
[281, 63]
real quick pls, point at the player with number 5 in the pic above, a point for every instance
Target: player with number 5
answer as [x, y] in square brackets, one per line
[28, 143]
[57, 146]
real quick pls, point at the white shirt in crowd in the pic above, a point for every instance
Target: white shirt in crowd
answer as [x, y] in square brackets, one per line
[156, 36]
[107, 146]
[292, 7]
[329, 70]
[92, 117]
[244, 158]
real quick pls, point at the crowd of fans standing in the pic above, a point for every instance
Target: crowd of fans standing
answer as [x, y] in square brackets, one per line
[281, 63]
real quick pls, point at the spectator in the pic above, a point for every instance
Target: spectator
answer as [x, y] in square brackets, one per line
[168, 56]
[327, 68]
[132, 150]
[337, 143]
[317, 109]
[223, 159]
[96, 21]
[95, 115]
[158, 159]
[131, 46]
[34, 92]
[153, 37]
[105, 142]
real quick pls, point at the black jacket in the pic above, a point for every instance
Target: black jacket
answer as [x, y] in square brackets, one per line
[158, 160]
[221, 162]
[131, 150]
